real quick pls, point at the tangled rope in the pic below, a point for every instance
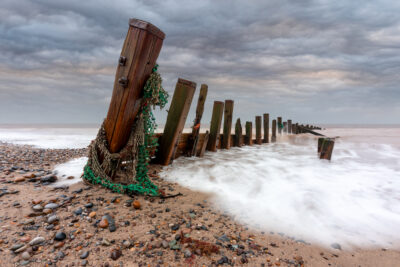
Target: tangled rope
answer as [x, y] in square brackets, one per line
[132, 161]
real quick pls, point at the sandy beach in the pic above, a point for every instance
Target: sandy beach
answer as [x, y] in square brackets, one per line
[43, 225]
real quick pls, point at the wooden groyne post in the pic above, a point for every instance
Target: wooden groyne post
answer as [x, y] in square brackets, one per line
[194, 138]
[289, 123]
[139, 53]
[266, 127]
[326, 148]
[285, 130]
[226, 139]
[279, 122]
[215, 125]
[238, 134]
[273, 137]
[176, 119]
[258, 130]
[249, 133]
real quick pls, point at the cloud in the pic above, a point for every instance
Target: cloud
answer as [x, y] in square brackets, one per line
[309, 60]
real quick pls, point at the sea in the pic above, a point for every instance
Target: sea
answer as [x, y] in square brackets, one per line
[283, 187]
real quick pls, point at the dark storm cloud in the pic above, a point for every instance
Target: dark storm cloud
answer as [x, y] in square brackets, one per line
[320, 61]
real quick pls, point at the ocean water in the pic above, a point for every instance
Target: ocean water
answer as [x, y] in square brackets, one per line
[353, 200]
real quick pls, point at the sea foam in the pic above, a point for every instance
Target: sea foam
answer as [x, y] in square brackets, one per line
[283, 187]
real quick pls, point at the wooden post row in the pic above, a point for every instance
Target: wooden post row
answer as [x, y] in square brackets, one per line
[266, 127]
[249, 133]
[258, 130]
[215, 125]
[273, 137]
[139, 53]
[194, 138]
[226, 140]
[238, 133]
[176, 119]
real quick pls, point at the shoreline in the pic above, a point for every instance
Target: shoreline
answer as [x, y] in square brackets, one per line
[149, 235]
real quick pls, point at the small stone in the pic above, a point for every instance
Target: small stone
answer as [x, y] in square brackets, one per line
[164, 244]
[36, 201]
[78, 211]
[187, 253]
[103, 223]
[115, 254]
[126, 244]
[37, 240]
[59, 245]
[47, 211]
[26, 255]
[105, 242]
[60, 236]
[84, 263]
[89, 205]
[92, 214]
[51, 206]
[136, 204]
[48, 179]
[70, 177]
[21, 249]
[19, 179]
[84, 255]
[52, 219]
[16, 246]
[37, 208]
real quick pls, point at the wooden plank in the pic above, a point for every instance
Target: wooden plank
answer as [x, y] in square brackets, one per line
[226, 140]
[249, 133]
[138, 56]
[258, 130]
[203, 145]
[176, 119]
[238, 134]
[215, 126]
[279, 125]
[194, 138]
[273, 137]
[266, 127]
[289, 122]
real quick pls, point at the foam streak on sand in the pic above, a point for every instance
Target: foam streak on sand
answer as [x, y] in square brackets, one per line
[353, 200]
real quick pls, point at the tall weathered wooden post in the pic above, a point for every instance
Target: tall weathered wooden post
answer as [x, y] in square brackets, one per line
[226, 140]
[258, 130]
[266, 127]
[215, 125]
[280, 126]
[284, 127]
[289, 123]
[249, 133]
[238, 134]
[273, 137]
[176, 119]
[194, 137]
[139, 53]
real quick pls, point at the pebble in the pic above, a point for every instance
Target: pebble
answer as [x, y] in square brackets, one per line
[84, 255]
[111, 222]
[51, 206]
[16, 246]
[48, 179]
[60, 236]
[37, 240]
[136, 204]
[115, 254]
[92, 214]
[26, 255]
[103, 223]
[37, 208]
[336, 246]
[78, 211]
[187, 253]
[53, 219]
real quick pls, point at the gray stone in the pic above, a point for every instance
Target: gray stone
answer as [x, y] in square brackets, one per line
[84, 255]
[51, 206]
[26, 256]
[52, 219]
[37, 240]
[37, 207]
[187, 253]
[336, 246]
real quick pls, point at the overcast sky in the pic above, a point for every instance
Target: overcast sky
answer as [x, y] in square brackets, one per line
[319, 61]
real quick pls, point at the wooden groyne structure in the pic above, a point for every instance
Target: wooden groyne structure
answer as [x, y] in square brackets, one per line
[126, 143]
[173, 143]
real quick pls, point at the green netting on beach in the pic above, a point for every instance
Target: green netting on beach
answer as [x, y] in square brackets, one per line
[136, 155]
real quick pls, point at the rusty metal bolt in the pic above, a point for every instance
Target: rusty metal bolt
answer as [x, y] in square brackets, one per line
[122, 61]
[123, 81]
